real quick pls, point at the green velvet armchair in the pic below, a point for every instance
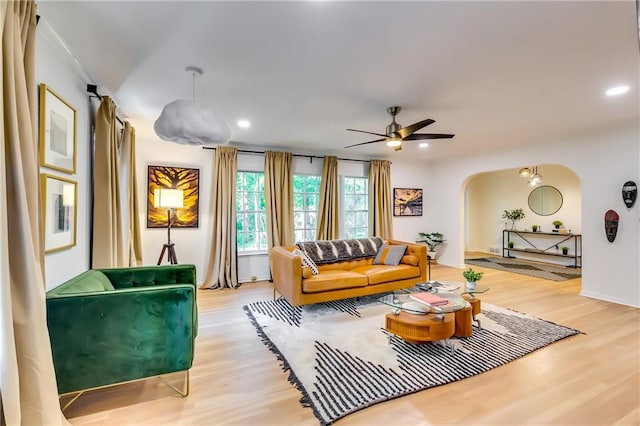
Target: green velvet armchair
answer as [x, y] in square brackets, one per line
[110, 326]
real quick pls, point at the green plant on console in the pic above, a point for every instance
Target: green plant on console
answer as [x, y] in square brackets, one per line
[432, 239]
[565, 250]
[557, 223]
[513, 215]
[510, 244]
[534, 228]
[472, 276]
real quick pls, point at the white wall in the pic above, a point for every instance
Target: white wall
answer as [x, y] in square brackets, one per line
[53, 70]
[602, 162]
[192, 245]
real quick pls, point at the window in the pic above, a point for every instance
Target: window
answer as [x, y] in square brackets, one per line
[306, 194]
[251, 212]
[355, 205]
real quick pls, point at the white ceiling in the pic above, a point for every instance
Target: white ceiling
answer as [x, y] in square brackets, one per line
[497, 74]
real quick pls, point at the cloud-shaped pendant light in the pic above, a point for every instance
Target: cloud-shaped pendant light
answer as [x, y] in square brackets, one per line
[189, 122]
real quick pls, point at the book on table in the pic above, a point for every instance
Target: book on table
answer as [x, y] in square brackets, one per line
[430, 299]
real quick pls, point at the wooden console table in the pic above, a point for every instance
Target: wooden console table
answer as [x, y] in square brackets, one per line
[555, 239]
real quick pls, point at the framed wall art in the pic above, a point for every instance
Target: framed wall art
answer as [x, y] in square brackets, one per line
[173, 178]
[57, 128]
[407, 202]
[60, 211]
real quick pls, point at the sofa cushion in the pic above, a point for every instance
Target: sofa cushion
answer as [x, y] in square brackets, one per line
[307, 261]
[87, 282]
[333, 280]
[328, 251]
[390, 255]
[379, 274]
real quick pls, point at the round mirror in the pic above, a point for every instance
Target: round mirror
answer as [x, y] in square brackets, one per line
[545, 200]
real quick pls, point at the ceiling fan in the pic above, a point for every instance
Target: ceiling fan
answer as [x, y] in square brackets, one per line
[395, 134]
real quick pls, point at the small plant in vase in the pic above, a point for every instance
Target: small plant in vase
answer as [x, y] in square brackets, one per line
[513, 216]
[472, 277]
[565, 250]
[510, 244]
[557, 224]
[534, 228]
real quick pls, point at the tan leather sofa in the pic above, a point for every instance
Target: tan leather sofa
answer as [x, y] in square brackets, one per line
[343, 279]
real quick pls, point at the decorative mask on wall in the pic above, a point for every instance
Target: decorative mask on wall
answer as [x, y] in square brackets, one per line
[611, 219]
[629, 193]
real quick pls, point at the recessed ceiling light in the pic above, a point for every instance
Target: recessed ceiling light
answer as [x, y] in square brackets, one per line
[424, 145]
[618, 90]
[245, 124]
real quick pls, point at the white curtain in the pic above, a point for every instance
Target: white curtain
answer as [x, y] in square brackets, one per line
[28, 387]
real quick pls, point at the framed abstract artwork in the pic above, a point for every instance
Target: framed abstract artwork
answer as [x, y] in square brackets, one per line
[60, 211]
[407, 202]
[186, 179]
[57, 128]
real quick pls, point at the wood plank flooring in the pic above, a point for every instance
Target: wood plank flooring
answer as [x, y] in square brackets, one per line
[588, 379]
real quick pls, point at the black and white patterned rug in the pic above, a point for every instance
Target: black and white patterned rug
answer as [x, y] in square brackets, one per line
[533, 269]
[342, 360]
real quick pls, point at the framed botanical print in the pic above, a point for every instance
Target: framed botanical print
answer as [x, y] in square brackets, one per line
[407, 202]
[169, 177]
[58, 125]
[60, 211]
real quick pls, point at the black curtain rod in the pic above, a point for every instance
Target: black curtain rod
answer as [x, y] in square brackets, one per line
[244, 151]
[93, 89]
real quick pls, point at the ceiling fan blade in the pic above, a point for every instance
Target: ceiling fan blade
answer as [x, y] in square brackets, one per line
[365, 143]
[369, 133]
[421, 136]
[406, 131]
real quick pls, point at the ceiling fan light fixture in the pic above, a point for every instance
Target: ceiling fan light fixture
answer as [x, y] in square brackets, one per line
[394, 141]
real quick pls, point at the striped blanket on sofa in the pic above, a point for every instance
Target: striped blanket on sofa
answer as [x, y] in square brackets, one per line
[329, 251]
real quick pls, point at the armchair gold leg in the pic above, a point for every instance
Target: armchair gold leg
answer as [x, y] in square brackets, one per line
[183, 393]
[72, 400]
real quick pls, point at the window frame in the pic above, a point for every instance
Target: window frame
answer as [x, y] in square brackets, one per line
[241, 251]
[343, 205]
[304, 194]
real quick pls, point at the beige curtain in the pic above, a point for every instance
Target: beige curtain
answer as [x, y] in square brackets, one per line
[27, 379]
[380, 201]
[278, 185]
[223, 269]
[134, 239]
[108, 238]
[328, 213]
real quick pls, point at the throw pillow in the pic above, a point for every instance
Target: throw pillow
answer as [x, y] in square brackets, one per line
[307, 261]
[306, 272]
[410, 259]
[389, 255]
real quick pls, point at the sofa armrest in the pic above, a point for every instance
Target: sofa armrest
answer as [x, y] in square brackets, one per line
[108, 337]
[287, 274]
[144, 276]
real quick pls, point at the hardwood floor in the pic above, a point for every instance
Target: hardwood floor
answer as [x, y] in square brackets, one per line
[588, 379]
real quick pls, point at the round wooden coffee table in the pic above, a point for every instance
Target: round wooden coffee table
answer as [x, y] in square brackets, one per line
[417, 329]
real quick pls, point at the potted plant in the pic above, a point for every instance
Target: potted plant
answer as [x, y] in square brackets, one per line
[433, 240]
[472, 277]
[510, 244]
[565, 250]
[534, 228]
[513, 215]
[557, 224]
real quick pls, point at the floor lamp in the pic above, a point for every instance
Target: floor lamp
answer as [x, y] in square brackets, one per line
[169, 199]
